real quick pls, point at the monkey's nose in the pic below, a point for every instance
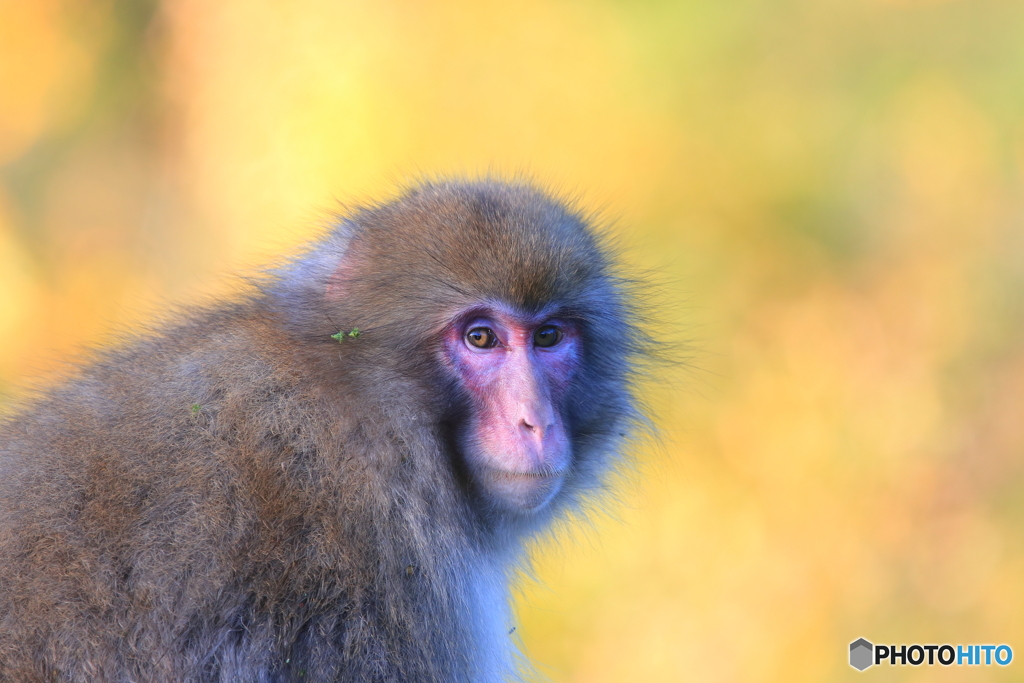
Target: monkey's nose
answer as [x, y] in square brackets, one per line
[536, 422]
[532, 428]
[535, 429]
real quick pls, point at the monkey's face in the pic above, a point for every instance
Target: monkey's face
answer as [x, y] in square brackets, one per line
[516, 370]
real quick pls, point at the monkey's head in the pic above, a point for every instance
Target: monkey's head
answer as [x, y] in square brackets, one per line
[501, 304]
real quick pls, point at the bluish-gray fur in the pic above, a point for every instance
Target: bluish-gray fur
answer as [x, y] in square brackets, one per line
[242, 497]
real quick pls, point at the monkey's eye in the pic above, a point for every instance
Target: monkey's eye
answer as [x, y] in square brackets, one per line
[481, 337]
[547, 335]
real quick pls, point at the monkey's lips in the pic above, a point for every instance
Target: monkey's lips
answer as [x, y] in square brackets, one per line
[525, 491]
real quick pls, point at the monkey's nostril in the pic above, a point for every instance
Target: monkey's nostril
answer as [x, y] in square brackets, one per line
[531, 428]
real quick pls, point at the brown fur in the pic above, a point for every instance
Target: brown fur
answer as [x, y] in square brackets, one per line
[241, 497]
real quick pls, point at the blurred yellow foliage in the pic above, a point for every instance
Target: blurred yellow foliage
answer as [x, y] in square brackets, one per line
[828, 192]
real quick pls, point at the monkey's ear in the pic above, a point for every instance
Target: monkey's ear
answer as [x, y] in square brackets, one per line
[349, 259]
[336, 281]
[322, 273]
[341, 276]
[335, 263]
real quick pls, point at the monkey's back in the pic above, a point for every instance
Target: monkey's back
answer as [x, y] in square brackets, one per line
[183, 510]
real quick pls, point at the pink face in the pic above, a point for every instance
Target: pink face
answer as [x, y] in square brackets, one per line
[517, 370]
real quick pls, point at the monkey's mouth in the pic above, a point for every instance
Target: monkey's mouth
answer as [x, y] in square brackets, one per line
[523, 491]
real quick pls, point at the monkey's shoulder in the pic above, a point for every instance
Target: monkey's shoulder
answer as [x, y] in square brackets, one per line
[155, 397]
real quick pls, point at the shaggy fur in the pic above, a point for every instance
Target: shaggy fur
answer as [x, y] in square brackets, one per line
[242, 497]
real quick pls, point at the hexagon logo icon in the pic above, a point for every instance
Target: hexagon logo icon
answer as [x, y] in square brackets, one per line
[861, 654]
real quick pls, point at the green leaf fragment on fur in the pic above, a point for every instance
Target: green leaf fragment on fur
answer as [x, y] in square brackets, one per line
[340, 336]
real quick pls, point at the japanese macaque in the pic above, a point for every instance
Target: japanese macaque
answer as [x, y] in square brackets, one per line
[332, 477]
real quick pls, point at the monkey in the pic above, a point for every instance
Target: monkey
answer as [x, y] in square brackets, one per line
[332, 475]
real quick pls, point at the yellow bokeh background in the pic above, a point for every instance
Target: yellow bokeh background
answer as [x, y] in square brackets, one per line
[828, 194]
